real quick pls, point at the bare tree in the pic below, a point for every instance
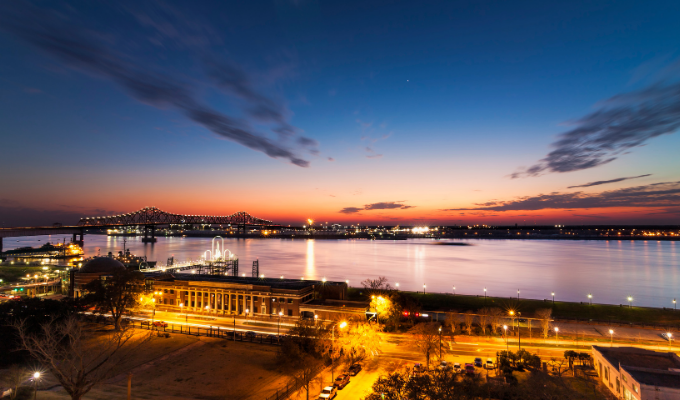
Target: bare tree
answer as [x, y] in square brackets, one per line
[452, 323]
[77, 359]
[544, 317]
[376, 286]
[469, 320]
[14, 378]
[496, 319]
[427, 338]
[482, 318]
[558, 365]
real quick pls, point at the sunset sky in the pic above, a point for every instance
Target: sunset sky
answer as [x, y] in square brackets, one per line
[342, 111]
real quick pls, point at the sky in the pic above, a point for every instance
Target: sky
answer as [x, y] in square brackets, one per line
[399, 112]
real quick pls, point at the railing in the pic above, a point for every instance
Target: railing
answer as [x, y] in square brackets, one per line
[217, 332]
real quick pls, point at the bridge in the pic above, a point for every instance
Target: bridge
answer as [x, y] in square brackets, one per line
[149, 217]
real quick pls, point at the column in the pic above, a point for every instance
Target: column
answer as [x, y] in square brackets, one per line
[252, 305]
[228, 302]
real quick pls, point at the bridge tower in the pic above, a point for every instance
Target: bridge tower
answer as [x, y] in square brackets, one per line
[149, 234]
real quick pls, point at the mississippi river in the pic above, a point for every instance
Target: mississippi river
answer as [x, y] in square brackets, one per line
[610, 270]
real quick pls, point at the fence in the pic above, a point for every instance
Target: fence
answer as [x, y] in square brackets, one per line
[292, 386]
[216, 331]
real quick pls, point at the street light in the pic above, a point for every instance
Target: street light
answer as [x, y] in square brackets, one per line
[557, 335]
[484, 294]
[454, 290]
[36, 378]
[517, 294]
[278, 330]
[342, 325]
[630, 301]
[611, 335]
[505, 328]
[590, 299]
[397, 285]
[553, 295]
[247, 310]
[675, 306]
[424, 287]
[670, 341]
[440, 344]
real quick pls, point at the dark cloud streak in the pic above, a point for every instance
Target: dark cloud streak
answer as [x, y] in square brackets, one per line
[597, 183]
[623, 122]
[79, 49]
[383, 205]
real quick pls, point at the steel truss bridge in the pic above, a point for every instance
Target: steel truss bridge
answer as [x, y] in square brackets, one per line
[149, 217]
[155, 216]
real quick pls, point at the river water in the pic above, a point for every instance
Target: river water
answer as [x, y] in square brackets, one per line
[610, 270]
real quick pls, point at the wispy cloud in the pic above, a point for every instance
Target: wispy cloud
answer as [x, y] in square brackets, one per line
[383, 205]
[597, 183]
[63, 37]
[663, 194]
[623, 122]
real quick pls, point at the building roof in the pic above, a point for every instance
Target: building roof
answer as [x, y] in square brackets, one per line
[101, 265]
[654, 377]
[291, 284]
[645, 366]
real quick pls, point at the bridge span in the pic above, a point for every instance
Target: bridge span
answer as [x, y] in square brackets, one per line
[148, 217]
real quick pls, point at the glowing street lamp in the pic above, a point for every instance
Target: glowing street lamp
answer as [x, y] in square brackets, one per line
[484, 294]
[590, 299]
[398, 289]
[517, 294]
[557, 335]
[611, 335]
[670, 341]
[454, 290]
[553, 296]
[505, 329]
[36, 378]
[278, 330]
[424, 288]
[675, 306]
[630, 301]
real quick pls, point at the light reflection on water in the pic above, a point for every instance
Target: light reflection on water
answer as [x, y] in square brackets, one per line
[610, 270]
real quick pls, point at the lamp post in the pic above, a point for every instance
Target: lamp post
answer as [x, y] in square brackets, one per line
[519, 332]
[186, 316]
[36, 378]
[440, 344]
[675, 306]
[316, 318]
[247, 311]
[397, 286]
[484, 294]
[517, 294]
[278, 330]
[630, 301]
[512, 319]
[611, 337]
[590, 299]
[557, 335]
[670, 341]
[424, 288]
[505, 329]
[553, 296]
[342, 325]
[454, 290]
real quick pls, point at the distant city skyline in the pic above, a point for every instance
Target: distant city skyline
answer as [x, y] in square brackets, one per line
[385, 113]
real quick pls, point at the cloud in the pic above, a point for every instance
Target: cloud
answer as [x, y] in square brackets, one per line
[331, 159]
[383, 205]
[92, 52]
[597, 183]
[663, 194]
[374, 156]
[623, 122]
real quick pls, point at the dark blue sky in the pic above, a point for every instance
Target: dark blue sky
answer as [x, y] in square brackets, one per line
[447, 107]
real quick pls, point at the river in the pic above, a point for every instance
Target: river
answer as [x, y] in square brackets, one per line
[609, 270]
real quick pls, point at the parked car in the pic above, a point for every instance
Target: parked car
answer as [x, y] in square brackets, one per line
[354, 369]
[478, 362]
[250, 334]
[160, 324]
[490, 364]
[341, 381]
[456, 368]
[443, 366]
[329, 392]
[469, 369]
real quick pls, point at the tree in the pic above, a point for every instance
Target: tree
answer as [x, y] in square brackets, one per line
[14, 378]
[558, 365]
[469, 320]
[115, 294]
[452, 323]
[376, 287]
[77, 358]
[359, 341]
[496, 319]
[544, 316]
[426, 337]
[301, 352]
[390, 387]
[570, 355]
[483, 316]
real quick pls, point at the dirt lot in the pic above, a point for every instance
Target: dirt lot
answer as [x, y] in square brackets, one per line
[184, 367]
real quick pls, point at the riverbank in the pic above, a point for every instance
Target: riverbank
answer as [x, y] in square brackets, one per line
[622, 314]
